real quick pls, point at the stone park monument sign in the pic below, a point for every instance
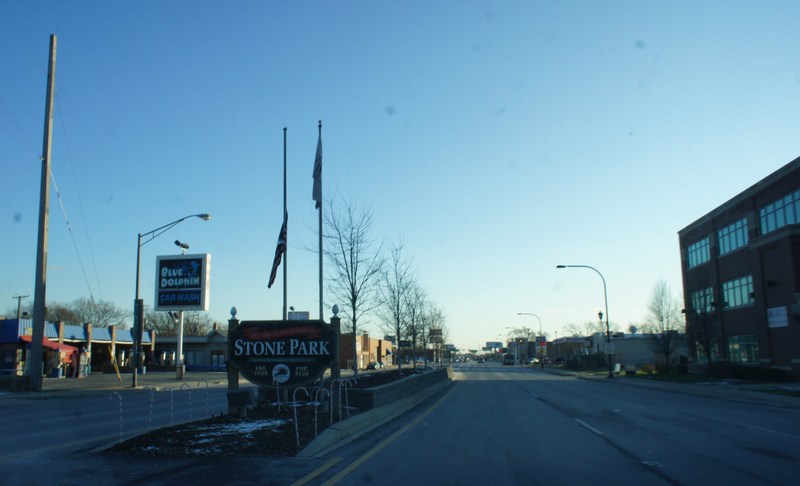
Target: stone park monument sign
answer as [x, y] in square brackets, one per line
[282, 353]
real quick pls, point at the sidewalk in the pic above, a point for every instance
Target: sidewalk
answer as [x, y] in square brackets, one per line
[731, 390]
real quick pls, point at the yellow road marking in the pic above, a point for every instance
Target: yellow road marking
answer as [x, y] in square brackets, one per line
[385, 442]
[313, 474]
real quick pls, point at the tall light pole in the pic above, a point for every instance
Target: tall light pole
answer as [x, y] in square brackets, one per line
[179, 368]
[541, 360]
[138, 303]
[605, 297]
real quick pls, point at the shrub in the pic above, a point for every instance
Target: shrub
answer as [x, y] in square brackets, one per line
[726, 370]
[586, 363]
[646, 369]
[663, 368]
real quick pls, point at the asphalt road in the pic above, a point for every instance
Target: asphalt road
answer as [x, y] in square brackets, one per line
[514, 425]
[69, 420]
[495, 424]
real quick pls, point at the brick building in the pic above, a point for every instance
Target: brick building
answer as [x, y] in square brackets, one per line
[741, 276]
[368, 350]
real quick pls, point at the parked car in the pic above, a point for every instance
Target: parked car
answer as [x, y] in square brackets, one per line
[375, 365]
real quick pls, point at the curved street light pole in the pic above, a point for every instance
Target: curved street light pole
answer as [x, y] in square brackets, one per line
[138, 304]
[605, 297]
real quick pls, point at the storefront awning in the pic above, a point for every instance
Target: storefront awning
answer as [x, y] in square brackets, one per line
[52, 344]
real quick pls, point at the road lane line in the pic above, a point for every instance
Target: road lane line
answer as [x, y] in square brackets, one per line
[313, 474]
[772, 431]
[385, 442]
[588, 426]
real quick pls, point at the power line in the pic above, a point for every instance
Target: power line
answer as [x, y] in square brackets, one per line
[78, 194]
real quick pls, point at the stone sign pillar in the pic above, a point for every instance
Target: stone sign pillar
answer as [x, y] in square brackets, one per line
[336, 324]
[336, 370]
[233, 373]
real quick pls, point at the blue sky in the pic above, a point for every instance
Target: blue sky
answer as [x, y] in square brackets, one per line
[496, 139]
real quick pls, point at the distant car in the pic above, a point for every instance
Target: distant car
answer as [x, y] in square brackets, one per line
[375, 365]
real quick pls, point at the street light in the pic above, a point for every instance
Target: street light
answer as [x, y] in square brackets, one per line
[138, 304]
[541, 358]
[605, 297]
[179, 361]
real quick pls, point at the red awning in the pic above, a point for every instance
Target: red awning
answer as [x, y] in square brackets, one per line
[52, 345]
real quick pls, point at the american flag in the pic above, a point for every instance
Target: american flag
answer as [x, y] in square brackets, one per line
[316, 194]
[279, 251]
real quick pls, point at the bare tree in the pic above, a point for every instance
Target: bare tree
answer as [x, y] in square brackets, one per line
[664, 322]
[523, 332]
[56, 312]
[100, 313]
[195, 323]
[80, 311]
[587, 329]
[415, 304]
[437, 329]
[162, 322]
[396, 281]
[356, 262]
[704, 329]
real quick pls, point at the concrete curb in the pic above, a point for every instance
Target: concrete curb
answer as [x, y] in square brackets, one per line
[350, 429]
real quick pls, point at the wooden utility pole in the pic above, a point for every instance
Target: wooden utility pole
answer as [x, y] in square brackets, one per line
[19, 303]
[34, 357]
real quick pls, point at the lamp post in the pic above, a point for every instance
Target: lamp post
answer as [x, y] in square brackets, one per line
[138, 303]
[180, 368]
[605, 297]
[538, 351]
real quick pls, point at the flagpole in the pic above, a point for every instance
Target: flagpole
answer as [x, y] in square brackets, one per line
[321, 316]
[285, 218]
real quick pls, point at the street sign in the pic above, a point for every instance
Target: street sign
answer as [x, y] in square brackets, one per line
[182, 282]
[610, 348]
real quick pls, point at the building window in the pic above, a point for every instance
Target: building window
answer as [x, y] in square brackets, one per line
[712, 354]
[732, 237]
[743, 349]
[738, 292]
[780, 213]
[703, 300]
[698, 253]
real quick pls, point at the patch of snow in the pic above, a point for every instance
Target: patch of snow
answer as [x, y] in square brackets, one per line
[242, 427]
